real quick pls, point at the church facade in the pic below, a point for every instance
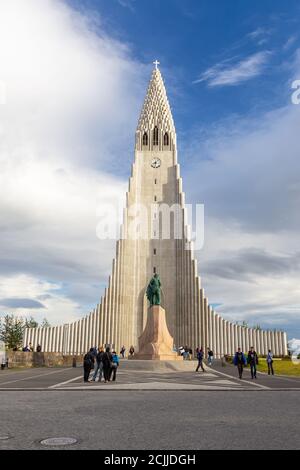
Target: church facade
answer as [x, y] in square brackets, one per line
[145, 248]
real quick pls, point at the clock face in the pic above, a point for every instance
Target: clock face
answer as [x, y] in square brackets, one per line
[155, 163]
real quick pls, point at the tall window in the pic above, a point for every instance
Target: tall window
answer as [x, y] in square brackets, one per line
[145, 138]
[166, 139]
[155, 136]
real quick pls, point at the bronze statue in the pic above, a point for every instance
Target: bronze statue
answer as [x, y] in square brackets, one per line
[154, 290]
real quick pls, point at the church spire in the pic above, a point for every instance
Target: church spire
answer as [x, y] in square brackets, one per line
[156, 130]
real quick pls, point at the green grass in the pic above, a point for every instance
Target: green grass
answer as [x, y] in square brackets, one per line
[284, 367]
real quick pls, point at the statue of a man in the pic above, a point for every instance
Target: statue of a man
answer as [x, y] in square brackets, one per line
[153, 290]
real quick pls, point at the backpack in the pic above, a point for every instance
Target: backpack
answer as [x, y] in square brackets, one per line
[87, 359]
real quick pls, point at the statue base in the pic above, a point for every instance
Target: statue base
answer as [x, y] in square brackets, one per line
[156, 343]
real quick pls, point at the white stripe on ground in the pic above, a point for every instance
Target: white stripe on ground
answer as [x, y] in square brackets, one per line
[32, 377]
[243, 380]
[66, 382]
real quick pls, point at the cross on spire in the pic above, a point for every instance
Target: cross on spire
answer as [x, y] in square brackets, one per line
[156, 63]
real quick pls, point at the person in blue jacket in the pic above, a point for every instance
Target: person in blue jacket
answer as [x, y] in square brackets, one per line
[240, 361]
[114, 365]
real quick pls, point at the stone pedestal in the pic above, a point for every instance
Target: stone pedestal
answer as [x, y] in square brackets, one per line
[156, 342]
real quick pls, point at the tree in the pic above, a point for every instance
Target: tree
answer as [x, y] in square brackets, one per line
[11, 331]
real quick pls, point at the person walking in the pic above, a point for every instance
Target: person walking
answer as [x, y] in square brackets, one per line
[252, 360]
[210, 356]
[88, 362]
[99, 365]
[200, 356]
[270, 362]
[122, 352]
[240, 361]
[115, 365]
[107, 363]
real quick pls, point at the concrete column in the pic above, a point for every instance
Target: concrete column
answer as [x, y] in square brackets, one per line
[232, 338]
[203, 328]
[96, 326]
[79, 337]
[54, 349]
[210, 329]
[226, 342]
[89, 331]
[214, 333]
[265, 342]
[243, 335]
[227, 337]
[284, 339]
[217, 352]
[75, 338]
[269, 343]
[105, 317]
[205, 345]
[46, 339]
[199, 310]
[221, 336]
[278, 343]
[237, 337]
[246, 339]
[239, 331]
[113, 304]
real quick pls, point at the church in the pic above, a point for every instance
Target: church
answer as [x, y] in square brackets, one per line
[120, 317]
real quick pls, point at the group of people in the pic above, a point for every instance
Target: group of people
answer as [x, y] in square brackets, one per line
[29, 348]
[240, 360]
[104, 363]
[123, 351]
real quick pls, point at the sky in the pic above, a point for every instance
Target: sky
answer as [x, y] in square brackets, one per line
[73, 77]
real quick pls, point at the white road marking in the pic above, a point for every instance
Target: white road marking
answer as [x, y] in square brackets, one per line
[243, 381]
[66, 382]
[32, 377]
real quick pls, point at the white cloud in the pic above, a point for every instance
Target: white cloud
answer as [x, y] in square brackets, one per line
[66, 126]
[56, 307]
[290, 41]
[228, 73]
[294, 346]
[127, 4]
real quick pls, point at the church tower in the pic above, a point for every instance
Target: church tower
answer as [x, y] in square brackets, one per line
[154, 238]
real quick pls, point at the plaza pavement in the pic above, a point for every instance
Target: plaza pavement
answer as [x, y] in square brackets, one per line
[164, 408]
[145, 375]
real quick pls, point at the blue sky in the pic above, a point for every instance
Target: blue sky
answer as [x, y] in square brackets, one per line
[192, 36]
[73, 79]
